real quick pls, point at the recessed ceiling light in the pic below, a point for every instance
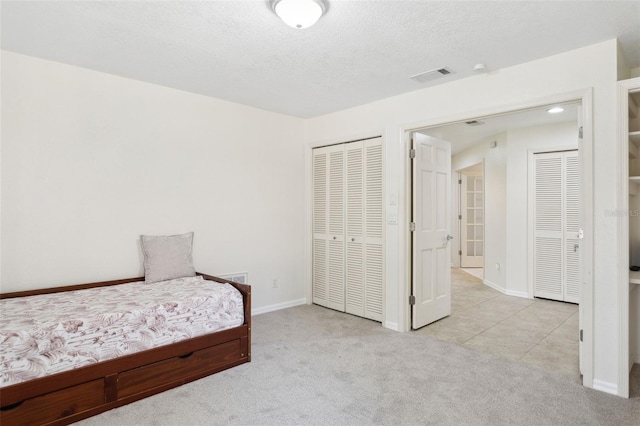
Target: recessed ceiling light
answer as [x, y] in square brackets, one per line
[555, 110]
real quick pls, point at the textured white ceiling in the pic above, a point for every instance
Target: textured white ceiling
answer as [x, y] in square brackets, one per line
[360, 51]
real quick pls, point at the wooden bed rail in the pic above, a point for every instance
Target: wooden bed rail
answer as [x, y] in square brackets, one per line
[66, 397]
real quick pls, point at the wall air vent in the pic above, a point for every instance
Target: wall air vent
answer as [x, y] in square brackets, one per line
[474, 123]
[239, 277]
[423, 77]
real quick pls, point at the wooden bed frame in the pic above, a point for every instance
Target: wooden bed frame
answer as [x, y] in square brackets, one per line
[67, 397]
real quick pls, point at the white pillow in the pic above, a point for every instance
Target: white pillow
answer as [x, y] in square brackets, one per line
[167, 257]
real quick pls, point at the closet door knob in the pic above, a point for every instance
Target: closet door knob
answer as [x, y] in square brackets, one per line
[334, 237]
[353, 239]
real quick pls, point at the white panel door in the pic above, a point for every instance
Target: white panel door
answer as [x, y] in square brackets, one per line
[556, 254]
[431, 214]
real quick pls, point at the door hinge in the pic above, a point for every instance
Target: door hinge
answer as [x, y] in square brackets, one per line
[412, 226]
[580, 132]
[581, 335]
[459, 252]
[412, 300]
[581, 234]
[459, 181]
[459, 217]
[412, 153]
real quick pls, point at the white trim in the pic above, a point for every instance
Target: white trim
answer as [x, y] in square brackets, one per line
[522, 294]
[404, 233]
[607, 387]
[514, 293]
[494, 286]
[278, 306]
[585, 96]
[354, 137]
[391, 325]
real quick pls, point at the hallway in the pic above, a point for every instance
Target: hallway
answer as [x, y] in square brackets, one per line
[541, 333]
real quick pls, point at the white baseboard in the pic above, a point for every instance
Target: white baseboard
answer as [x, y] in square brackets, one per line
[523, 294]
[494, 286]
[607, 387]
[278, 306]
[515, 293]
[391, 325]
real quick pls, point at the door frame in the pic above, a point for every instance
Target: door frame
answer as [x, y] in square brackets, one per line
[584, 96]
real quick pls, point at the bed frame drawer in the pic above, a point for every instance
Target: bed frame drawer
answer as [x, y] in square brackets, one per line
[55, 405]
[179, 369]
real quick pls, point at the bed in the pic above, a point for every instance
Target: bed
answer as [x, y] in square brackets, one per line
[117, 376]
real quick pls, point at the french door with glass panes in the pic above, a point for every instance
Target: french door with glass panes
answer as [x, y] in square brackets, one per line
[472, 221]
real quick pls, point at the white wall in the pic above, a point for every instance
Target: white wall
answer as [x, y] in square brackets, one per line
[90, 161]
[519, 143]
[506, 201]
[593, 67]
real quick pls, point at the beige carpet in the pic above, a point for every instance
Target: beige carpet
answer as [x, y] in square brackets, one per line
[316, 366]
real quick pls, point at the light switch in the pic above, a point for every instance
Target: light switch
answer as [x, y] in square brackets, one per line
[393, 218]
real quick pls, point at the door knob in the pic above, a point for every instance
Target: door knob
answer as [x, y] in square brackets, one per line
[353, 239]
[335, 238]
[449, 237]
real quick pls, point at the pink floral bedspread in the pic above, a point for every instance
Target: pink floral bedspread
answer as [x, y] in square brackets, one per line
[51, 333]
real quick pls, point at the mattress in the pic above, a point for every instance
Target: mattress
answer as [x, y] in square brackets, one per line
[50, 333]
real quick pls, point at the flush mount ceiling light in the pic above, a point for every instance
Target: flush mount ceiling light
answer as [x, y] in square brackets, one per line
[299, 13]
[555, 110]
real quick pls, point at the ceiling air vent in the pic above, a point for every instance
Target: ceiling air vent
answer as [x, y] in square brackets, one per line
[423, 77]
[474, 123]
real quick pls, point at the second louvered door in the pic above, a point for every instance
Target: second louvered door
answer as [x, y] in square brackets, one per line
[556, 254]
[363, 279]
[348, 228]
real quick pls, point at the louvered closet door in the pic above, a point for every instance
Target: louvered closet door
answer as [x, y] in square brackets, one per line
[328, 227]
[364, 248]
[355, 262]
[556, 223]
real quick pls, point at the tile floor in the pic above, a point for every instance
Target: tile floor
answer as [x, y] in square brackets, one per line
[537, 332]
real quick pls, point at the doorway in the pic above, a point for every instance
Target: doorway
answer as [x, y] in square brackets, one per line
[471, 219]
[502, 142]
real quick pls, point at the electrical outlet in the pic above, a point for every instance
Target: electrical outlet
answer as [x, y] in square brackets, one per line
[275, 283]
